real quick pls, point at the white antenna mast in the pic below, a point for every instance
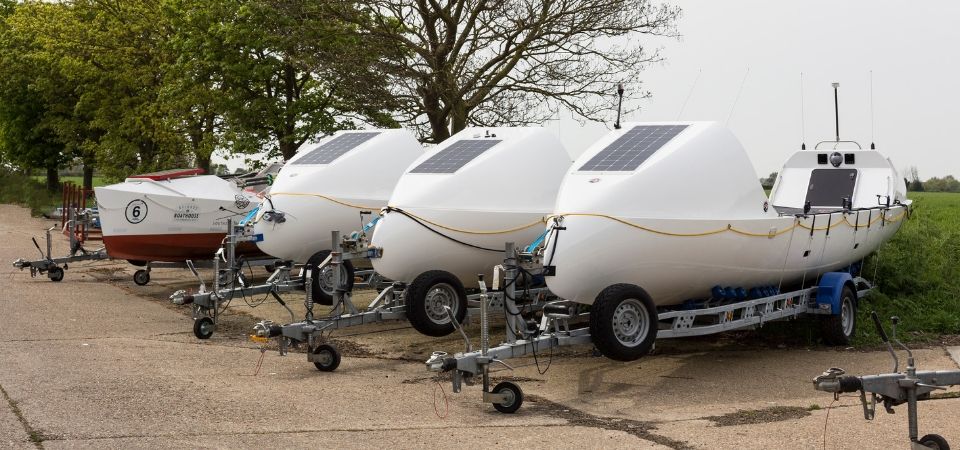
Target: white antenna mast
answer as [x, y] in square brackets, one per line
[689, 94]
[803, 125]
[737, 99]
[873, 146]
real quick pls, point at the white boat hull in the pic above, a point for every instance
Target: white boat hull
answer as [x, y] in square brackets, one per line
[672, 269]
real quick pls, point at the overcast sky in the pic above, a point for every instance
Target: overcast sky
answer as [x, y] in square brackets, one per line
[913, 49]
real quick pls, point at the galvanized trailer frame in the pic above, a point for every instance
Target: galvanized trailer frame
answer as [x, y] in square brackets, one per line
[55, 267]
[896, 388]
[390, 304]
[555, 328]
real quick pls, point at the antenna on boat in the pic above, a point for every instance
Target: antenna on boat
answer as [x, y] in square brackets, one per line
[690, 94]
[803, 125]
[619, 104]
[737, 99]
[873, 146]
[836, 108]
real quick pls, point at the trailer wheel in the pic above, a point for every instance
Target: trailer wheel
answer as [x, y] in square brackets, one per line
[426, 298]
[141, 277]
[323, 283]
[55, 274]
[935, 441]
[623, 322]
[326, 357]
[513, 397]
[839, 329]
[203, 328]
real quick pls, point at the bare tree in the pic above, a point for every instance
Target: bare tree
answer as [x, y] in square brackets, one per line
[511, 62]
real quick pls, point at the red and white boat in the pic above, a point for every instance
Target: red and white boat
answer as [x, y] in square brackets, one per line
[170, 216]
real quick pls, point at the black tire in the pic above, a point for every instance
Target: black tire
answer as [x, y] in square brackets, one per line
[323, 291]
[330, 357]
[141, 277]
[203, 328]
[137, 262]
[514, 400]
[935, 441]
[427, 295]
[55, 274]
[839, 330]
[623, 322]
[270, 268]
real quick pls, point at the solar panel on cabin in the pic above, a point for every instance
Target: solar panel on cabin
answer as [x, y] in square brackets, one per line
[455, 156]
[632, 148]
[334, 148]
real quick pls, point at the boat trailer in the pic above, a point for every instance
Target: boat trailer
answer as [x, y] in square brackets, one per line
[390, 304]
[556, 326]
[894, 388]
[76, 224]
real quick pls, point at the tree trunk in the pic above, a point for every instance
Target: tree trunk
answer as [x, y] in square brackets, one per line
[202, 161]
[87, 176]
[53, 179]
[458, 118]
[287, 149]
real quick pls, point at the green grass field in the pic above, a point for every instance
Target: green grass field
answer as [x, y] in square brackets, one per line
[918, 272]
[97, 181]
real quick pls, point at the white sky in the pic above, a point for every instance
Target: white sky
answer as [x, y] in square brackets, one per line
[913, 49]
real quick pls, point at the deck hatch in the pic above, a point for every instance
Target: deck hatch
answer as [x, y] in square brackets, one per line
[828, 187]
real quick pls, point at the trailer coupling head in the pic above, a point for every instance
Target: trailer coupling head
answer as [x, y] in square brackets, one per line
[441, 362]
[267, 329]
[181, 297]
[833, 381]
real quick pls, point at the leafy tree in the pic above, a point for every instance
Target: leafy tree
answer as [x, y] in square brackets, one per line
[285, 71]
[26, 137]
[510, 62]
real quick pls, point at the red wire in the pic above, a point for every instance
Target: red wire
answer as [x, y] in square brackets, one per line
[446, 402]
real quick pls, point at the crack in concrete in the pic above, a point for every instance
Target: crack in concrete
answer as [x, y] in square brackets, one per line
[300, 431]
[36, 437]
[576, 417]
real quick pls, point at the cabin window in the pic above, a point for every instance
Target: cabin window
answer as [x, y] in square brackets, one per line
[828, 187]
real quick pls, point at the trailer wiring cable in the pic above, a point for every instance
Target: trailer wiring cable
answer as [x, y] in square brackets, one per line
[451, 238]
[826, 419]
[542, 220]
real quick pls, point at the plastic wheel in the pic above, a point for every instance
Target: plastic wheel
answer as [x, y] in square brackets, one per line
[426, 298]
[326, 357]
[513, 400]
[141, 277]
[935, 441]
[839, 329]
[323, 283]
[623, 322]
[203, 328]
[270, 268]
[55, 274]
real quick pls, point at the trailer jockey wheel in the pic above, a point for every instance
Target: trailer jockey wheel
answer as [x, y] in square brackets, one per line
[623, 322]
[427, 298]
[513, 397]
[141, 277]
[203, 328]
[323, 282]
[935, 441]
[839, 329]
[55, 274]
[326, 357]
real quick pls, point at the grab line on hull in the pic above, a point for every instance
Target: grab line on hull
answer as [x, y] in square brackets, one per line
[730, 227]
[541, 220]
[329, 199]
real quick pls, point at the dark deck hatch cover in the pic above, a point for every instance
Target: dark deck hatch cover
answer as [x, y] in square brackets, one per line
[828, 187]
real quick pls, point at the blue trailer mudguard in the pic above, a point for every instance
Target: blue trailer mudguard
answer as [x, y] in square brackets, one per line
[830, 290]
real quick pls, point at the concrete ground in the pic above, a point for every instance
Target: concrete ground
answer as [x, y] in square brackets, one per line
[95, 361]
